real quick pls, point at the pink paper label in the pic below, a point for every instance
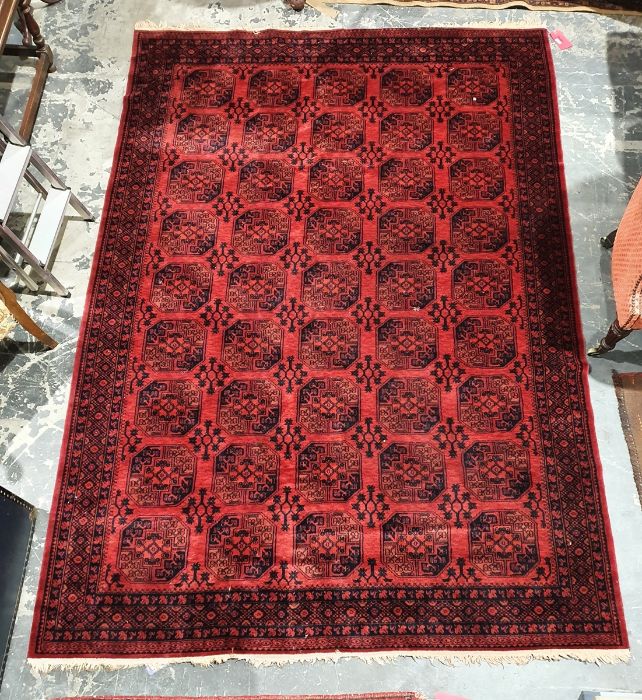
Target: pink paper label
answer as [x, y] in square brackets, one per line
[560, 40]
[448, 696]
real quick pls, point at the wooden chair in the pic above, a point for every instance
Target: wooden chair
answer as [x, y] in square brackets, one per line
[30, 257]
[8, 298]
[626, 271]
[33, 46]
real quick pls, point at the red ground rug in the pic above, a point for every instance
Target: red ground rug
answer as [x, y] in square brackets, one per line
[330, 392]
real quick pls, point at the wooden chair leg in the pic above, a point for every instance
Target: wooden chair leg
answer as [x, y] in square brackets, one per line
[608, 241]
[608, 342]
[23, 318]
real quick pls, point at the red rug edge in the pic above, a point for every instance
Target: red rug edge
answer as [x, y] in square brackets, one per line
[599, 467]
[80, 347]
[530, 652]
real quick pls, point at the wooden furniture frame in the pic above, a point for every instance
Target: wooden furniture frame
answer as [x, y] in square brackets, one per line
[615, 332]
[22, 317]
[36, 248]
[33, 46]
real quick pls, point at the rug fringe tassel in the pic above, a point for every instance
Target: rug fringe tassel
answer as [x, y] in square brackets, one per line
[149, 26]
[323, 7]
[494, 658]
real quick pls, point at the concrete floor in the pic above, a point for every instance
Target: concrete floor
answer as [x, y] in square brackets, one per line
[600, 95]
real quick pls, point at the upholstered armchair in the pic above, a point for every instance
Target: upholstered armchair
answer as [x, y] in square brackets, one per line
[626, 272]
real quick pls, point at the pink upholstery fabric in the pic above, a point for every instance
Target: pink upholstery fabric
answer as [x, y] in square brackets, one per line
[626, 264]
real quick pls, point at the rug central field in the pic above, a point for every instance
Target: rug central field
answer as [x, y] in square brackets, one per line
[329, 393]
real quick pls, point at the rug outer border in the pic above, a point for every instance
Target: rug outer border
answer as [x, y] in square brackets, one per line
[581, 341]
[82, 339]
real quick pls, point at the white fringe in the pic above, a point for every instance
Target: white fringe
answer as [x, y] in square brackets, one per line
[319, 5]
[529, 22]
[147, 25]
[449, 658]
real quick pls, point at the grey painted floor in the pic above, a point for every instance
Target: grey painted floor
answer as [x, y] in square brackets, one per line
[600, 94]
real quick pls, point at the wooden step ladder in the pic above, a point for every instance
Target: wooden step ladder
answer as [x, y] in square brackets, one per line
[30, 256]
